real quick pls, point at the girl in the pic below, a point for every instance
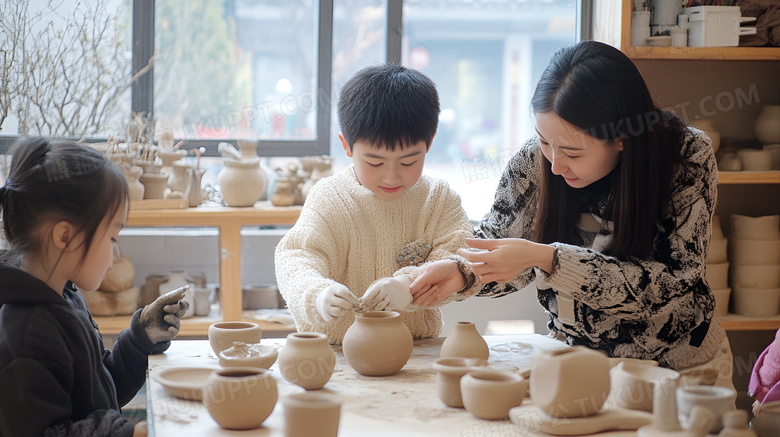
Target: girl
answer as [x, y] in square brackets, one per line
[62, 209]
[609, 210]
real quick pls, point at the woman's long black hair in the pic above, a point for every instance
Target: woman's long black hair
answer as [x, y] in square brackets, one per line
[597, 88]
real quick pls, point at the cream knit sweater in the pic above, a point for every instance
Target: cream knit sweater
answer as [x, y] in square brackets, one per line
[346, 234]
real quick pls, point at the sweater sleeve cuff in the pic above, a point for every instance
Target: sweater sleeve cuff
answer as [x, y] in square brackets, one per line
[141, 340]
[567, 270]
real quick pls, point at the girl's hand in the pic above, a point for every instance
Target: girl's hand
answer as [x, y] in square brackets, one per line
[506, 258]
[435, 282]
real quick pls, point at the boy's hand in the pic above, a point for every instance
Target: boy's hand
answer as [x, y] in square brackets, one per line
[436, 281]
[334, 301]
[388, 294]
[161, 318]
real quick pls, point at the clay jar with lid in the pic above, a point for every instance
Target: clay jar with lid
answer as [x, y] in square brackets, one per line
[240, 397]
[243, 182]
[223, 334]
[449, 371]
[464, 341]
[572, 382]
[378, 343]
[307, 360]
[490, 394]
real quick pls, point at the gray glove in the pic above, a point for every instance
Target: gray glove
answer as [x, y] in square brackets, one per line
[161, 318]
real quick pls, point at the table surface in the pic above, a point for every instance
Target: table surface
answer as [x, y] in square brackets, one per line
[404, 404]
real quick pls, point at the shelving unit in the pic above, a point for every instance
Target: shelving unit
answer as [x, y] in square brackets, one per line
[228, 221]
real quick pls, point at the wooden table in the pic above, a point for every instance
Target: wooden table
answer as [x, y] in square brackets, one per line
[404, 404]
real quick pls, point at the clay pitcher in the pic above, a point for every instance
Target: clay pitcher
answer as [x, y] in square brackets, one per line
[193, 193]
[307, 360]
[464, 341]
[240, 397]
[378, 343]
[571, 382]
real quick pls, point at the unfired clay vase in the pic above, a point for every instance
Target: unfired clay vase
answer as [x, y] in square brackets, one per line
[464, 341]
[307, 360]
[490, 394]
[572, 382]
[735, 424]
[177, 180]
[223, 334]
[755, 228]
[756, 276]
[718, 252]
[632, 385]
[322, 168]
[240, 397]
[135, 189]
[767, 124]
[247, 149]
[717, 275]
[193, 193]
[248, 355]
[284, 189]
[756, 302]
[311, 414]
[378, 343]
[767, 422]
[154, 185]
[449, 371]
[242, 182]
[716, 399]
[744, 251]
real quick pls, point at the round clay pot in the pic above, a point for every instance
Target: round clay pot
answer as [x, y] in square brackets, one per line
[248, 355]
[755, 160]
[767, 422]
[311, 414]
[718, 252]
[714, 398]
[490, 394]
[722, 296]
[240, 397]
[135, 189]
[632, 385]
[717, 275]
[378, 343]
[572, 382]
[223, 334]
[154, 185]
[307, 360]
[755, 228]
[735, 424]
[464, 341]
[756, 302]
[756, 276]
[449, 371]
[242, 182]
[745, 251]
[177, 180]
[767, 124]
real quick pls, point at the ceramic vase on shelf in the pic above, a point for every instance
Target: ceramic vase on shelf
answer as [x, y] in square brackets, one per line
[168, 157]
[240, 397]
[307, 360]
[767, 124]
[242, 182]
[321, 169]
[177, 179]
[154, 185]
[464, 341]
[378, 343]
[178, 279]
[135, 189]
[247, 149]
[193, 193]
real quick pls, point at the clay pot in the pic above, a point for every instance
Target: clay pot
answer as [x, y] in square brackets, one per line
[571, 382]
[755, 228]
[767, 422]
[632, 385]
[248, 355]
[767, 124]
[242, 182]
[177, 180]
[722, 296]
[717, 275]
[311, 414]
[735, 424]
[151, 289]
[464, 341]
[449, 371]
[756, 276]
[716, 399]
[307, 360]
[490, 394]
[168, 157]
[154, 185]
[755, 160]
[718, 252]
[322, 168]
[223, 334]
[378, 343]
[119, 277]
[754, 251]
[247, 149]
[756, 302]
[135, 189]
[202, 298]
[193, 193]
[240, 397]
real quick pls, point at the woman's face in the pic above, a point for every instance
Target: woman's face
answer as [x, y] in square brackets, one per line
[577, 157]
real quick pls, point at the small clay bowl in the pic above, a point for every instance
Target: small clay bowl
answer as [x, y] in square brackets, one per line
[223, 334]
[490, 394]
[449, 371]
[248, 355]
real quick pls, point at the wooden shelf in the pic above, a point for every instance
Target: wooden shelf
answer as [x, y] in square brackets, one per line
[704, 53]
[190, 327]
[749, 177]
[736, 322]
[263, 213]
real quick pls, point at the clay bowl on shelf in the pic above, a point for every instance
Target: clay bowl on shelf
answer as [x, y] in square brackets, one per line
[754, 252]
[755, 228]
[756, 302]
[718, 252]
[717, 275]
[223, 334]
[248, 355]
[756, 276]
[722, 296]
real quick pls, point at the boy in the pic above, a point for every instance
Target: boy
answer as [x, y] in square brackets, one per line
[363, 232]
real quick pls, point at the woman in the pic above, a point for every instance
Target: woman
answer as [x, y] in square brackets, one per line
[609, 210]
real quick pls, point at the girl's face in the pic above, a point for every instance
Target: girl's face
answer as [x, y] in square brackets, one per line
[100, 254]
[573, 154]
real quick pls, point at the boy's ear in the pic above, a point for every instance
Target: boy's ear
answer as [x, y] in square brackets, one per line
[345, 146]
[62, 234]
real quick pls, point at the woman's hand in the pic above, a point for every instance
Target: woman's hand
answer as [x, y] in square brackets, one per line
[506, 258]
[436, 281]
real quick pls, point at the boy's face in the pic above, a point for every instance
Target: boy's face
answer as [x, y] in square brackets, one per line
[387, 174]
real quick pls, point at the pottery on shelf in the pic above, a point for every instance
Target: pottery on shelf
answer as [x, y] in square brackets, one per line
[177, 279]
[632, 385]
[756, 276]
[151, 289]
[464, 341]
[168, 157]
[718, 252]
[240, 397]
[202, 298]
[154, 185]
[322, 169]
[717, 274]
[241, 354]
[572, 382]
[490, 394]
[284, 189]
[120, 276]
[135, 189]
[449, 371]
[756, 302]
[767, 124]
[247, 149]
[311, 414]
[716, 399]
[242, 182]
[222, 335]
[193, 193]
[755, 160]
[735, 424]
[744, 251]
[706, 125]
[378, 343]
[755, 228]
[307, 360]
[722, 296]
[177, 179]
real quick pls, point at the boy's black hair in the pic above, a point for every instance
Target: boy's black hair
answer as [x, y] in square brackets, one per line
[387, 106]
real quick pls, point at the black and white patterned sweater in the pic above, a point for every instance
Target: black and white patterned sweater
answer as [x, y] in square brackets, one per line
[660, 308]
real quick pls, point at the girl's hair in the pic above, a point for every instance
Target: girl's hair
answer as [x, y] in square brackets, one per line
[597, 88]
[54, 181]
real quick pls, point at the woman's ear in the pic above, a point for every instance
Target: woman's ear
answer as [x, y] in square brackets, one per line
[619, 144]
[345, 146]
[62, 234]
